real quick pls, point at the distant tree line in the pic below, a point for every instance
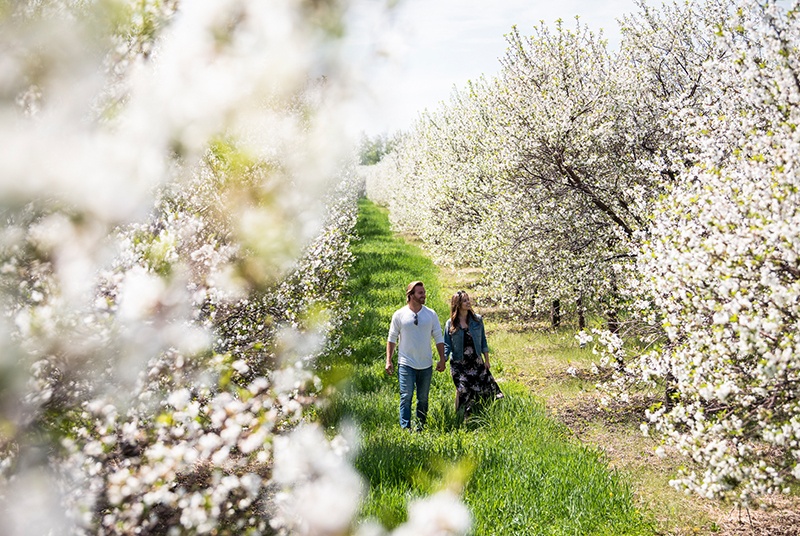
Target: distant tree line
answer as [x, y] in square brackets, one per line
[373, 149]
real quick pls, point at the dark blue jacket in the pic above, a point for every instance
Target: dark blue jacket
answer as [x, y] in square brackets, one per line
[454, 343]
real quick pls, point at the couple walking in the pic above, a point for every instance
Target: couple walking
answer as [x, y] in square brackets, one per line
[463, 342]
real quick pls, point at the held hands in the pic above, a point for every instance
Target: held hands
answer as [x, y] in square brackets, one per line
[389, 369]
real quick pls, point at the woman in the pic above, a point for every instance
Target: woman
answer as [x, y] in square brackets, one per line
[465, 341]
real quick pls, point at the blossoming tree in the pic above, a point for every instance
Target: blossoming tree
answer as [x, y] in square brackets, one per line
[721, 265]
[663, 176]
[176, 222]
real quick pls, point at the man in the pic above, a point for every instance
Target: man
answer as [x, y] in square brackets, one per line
[414, 325]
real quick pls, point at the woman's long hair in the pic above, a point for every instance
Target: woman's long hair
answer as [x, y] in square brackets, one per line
[455, 304]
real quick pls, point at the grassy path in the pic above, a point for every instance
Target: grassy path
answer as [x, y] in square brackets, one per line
[518, 470]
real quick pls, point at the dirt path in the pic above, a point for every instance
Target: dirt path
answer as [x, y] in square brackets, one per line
[616, 433]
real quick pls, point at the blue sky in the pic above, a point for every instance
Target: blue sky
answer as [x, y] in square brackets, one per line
[420, 50]
[411, 57]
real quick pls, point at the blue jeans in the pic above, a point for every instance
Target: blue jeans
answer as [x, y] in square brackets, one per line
[410, 378]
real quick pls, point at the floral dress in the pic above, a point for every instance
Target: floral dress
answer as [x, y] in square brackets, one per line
[472, 380]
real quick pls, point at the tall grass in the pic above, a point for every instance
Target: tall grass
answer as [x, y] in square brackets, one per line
[518, 470]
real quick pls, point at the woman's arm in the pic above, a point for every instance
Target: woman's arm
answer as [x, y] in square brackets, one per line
[448, 341]
[484, 346]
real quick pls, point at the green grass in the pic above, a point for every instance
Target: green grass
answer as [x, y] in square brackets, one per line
[519, 471]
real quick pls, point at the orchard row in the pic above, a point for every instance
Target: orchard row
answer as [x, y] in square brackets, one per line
[177, 212]
[656, 186]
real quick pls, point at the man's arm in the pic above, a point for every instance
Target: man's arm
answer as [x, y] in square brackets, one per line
[390, 346]
[436, 333]
[391, 342]
[440, 366]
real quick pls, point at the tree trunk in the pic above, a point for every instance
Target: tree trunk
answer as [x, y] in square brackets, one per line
[613, 326]
[581, 316]
[612, 321]
[670, 390]
[555, 314]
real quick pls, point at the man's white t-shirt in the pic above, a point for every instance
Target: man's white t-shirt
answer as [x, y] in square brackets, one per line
[414, 348]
